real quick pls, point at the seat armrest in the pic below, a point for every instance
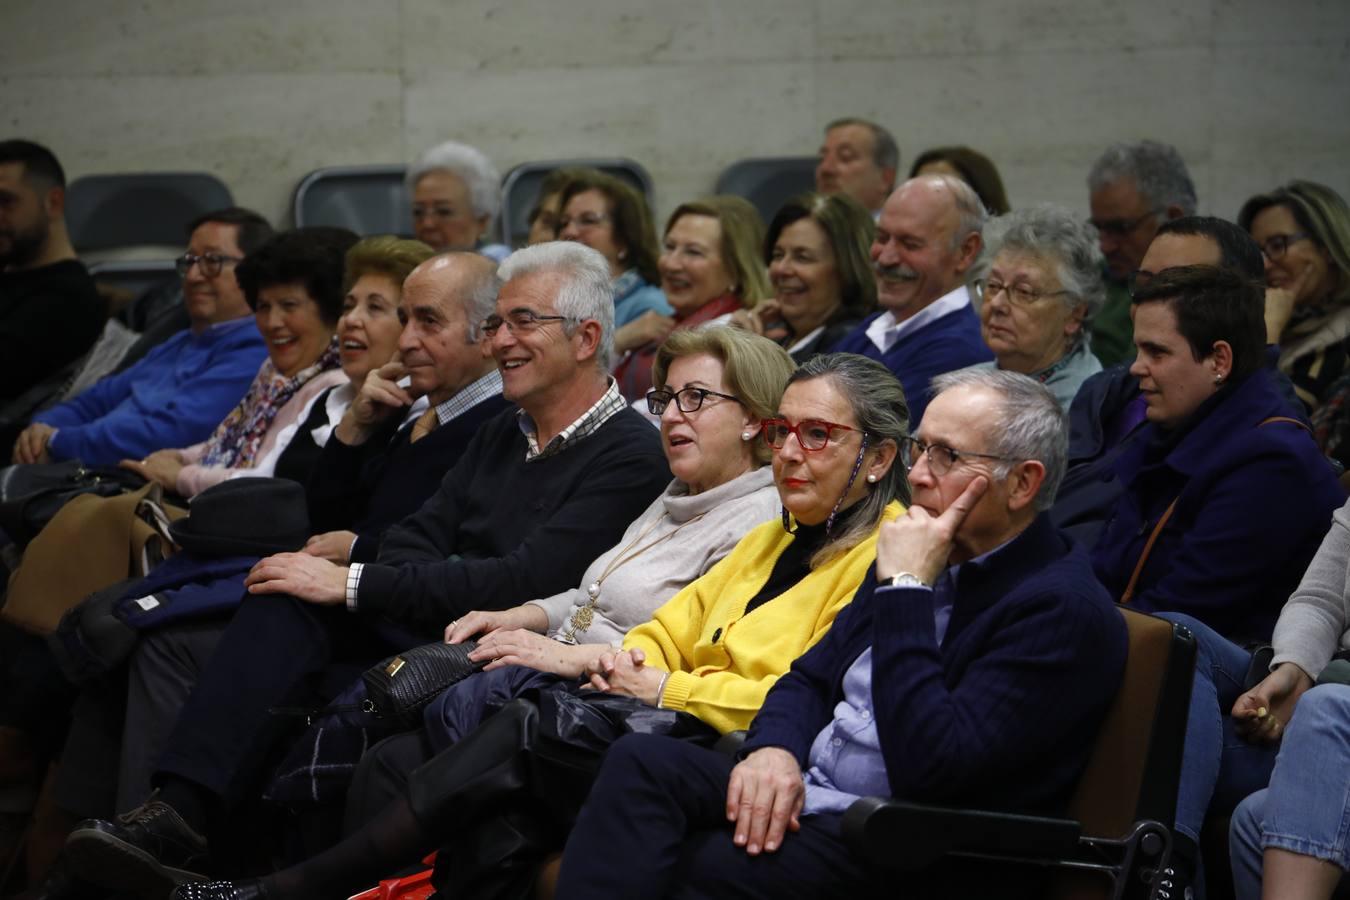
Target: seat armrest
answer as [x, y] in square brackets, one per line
[895, 834]
[730, 743]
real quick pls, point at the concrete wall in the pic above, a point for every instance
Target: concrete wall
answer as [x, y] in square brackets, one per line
[1252, 92]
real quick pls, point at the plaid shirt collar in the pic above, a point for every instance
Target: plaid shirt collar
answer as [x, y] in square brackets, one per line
[490, 385]
[610, 404]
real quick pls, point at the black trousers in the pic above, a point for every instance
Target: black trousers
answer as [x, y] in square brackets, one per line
[277, 652]
[656, 822]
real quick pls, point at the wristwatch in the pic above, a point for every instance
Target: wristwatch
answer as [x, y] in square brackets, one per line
[907, 579]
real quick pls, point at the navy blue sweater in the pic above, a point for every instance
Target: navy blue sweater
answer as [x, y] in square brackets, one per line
[1253, 503]
[945, 344]
[501, 531]
[371, 486]
[1003, 714]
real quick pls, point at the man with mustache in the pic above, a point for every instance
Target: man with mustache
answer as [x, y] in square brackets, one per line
[50, 311]
[928, 237]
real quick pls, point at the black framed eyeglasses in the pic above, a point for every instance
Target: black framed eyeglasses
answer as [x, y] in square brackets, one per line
[1018, 294]
[812, 434]
[1276, 245]
[518, 321]
[1120, 227]
[941, 459]
[211, 263]
[687, 400]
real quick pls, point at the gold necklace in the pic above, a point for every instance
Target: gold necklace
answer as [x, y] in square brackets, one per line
[583, 616]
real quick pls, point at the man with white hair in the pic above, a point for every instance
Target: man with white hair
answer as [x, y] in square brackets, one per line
[540, 492]
[1133, 189]
[456, 195]
[972, 668]
[927, 240]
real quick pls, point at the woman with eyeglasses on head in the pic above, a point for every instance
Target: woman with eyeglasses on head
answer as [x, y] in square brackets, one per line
[712, 651]
[710, 268]
[607, 215]
[1042, 285]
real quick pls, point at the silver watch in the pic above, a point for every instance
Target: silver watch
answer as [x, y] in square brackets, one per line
[907, 579]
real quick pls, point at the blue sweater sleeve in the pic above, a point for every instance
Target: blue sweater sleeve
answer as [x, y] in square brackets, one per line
[802, 702]
[1038, 678]
[145, 408]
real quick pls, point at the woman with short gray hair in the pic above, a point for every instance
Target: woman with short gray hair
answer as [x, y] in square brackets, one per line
[1041, 288]
[456, 193]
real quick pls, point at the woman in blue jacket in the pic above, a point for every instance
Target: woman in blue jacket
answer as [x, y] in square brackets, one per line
[1226, 499]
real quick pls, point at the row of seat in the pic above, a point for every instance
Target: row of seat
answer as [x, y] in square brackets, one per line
[107, 212]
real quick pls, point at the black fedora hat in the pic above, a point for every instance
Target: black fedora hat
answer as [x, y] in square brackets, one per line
[245, 517]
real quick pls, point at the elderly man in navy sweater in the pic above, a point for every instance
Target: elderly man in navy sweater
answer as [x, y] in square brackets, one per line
[995, 653]
[928, 237]
[539, 492]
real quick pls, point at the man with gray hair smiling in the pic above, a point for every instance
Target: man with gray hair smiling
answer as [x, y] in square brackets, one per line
[972, 668]
[539, 492]
[927, 240]
[1134, 188]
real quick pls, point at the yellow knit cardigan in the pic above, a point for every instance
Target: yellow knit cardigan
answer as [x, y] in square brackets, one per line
[723, 681]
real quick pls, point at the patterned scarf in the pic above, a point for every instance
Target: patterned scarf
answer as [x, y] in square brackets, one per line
[235, 442]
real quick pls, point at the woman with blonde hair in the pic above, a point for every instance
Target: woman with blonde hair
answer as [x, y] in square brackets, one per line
[709, 267]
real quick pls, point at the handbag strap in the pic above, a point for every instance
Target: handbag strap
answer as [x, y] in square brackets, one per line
[1148, 548]
[1167, 514]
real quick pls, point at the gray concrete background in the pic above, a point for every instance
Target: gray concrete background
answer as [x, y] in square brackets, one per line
[1253, 92]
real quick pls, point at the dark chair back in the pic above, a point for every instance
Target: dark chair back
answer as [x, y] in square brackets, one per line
[146, 208]
[769, 181]
[365, 199]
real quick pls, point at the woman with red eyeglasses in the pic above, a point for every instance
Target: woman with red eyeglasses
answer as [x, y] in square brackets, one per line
[711, 652]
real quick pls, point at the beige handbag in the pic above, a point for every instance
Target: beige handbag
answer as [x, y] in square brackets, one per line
[91, 543]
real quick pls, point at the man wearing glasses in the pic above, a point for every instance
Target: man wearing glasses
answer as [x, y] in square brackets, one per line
[179, 391]
[540, 492]
[1133, 189]
[972, 668]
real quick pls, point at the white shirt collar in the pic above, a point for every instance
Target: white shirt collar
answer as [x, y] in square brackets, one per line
[884, 331]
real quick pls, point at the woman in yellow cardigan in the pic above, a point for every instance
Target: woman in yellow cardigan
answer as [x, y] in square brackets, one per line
[712, 651]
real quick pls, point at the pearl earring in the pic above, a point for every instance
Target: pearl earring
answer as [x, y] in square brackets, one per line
[1218, 379]
[872, 479]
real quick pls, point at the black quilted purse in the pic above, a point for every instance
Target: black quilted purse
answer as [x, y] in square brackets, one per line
[399, 688]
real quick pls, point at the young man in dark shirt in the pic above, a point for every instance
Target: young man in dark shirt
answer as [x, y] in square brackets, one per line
[50, 311]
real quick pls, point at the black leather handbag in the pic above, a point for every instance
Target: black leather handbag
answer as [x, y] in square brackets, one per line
[31, 495]
[399, 688]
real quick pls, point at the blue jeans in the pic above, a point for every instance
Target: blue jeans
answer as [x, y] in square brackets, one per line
[1306, 809]
[1218, 768]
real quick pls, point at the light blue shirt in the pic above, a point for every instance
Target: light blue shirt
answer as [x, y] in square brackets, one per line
[845, 762]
